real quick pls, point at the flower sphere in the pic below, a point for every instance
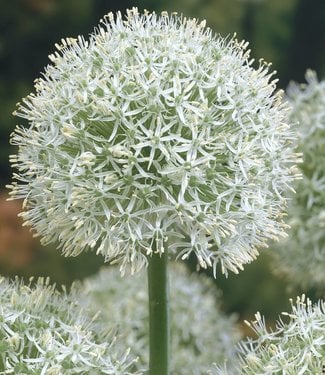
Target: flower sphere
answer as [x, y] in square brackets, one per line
[45, 332]
[296, 347]
[201, 333]
[154, 133]
[302, 257]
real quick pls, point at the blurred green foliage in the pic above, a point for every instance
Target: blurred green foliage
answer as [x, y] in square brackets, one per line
[290, 34]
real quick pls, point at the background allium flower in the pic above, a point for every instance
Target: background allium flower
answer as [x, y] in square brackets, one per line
[43, 331]
[154, 131]
[302, 256]
[295, 347]
[201, 333]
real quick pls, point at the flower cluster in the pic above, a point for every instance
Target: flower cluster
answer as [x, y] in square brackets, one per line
[45, 332]
[201, 333]
[302, 256]
[154, 131]
[296, 347]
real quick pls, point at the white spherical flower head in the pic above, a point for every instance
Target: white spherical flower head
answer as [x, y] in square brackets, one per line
[154, 132]
[296, 346]
[302, 257]
[43, 331]
[201, 333]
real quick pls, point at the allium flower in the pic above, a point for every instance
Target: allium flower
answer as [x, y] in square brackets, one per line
[44, 332]
[296, 347]
[302, 256]
[201, 333]
[154, 131]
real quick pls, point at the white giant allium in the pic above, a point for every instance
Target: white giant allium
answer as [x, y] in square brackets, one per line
[154, 133]
[201, 333]
[302, 256]
[295, 347]
[44, 332]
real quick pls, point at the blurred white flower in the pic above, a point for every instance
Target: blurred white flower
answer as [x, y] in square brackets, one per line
[295, 347]
[302, 256]
[45, 332]
[154, 131]
[201, 333]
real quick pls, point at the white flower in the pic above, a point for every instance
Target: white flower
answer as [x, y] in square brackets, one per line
[45, 332]
[295, 347]
[302, 256]
[154, 131]
[201, 333]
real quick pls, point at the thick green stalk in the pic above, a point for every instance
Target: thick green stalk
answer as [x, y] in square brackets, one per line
[159, 329]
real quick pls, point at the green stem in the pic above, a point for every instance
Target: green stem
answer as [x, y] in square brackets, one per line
[159, 330]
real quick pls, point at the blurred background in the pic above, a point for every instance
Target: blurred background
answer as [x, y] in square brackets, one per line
[288, 33]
